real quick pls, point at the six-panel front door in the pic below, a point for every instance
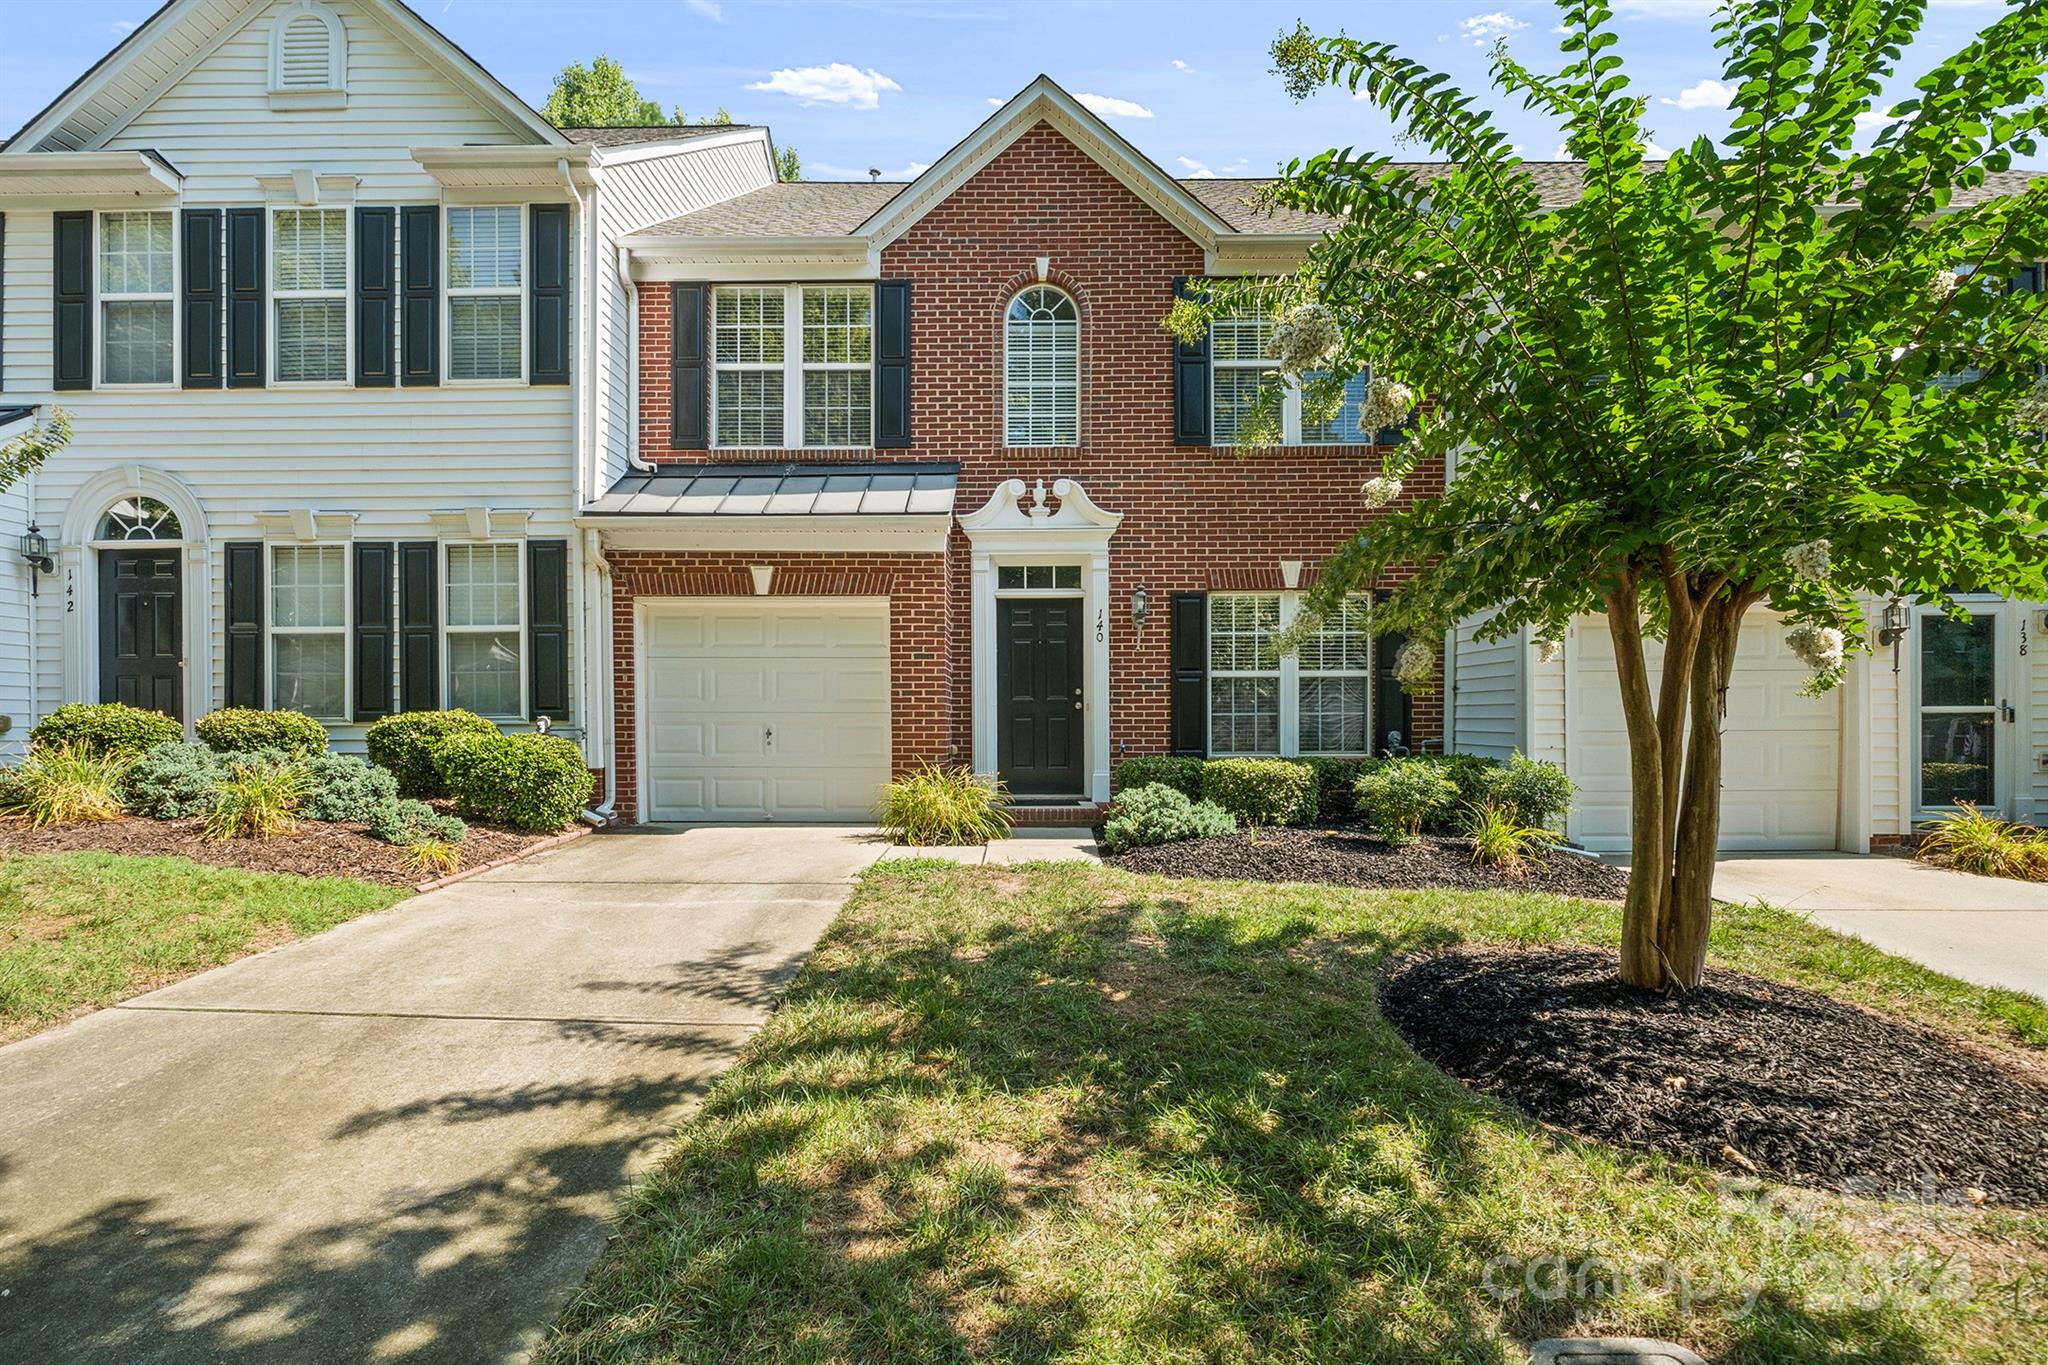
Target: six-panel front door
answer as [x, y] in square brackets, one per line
[142, 650]
[1038, 683]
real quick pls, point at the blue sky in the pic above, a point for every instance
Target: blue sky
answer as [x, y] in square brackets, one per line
[891, 84]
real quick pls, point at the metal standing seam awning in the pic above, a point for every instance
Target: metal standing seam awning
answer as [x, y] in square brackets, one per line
[876, 506]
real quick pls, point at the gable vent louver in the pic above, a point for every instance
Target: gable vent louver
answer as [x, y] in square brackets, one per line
[303, 55]
[308, 56]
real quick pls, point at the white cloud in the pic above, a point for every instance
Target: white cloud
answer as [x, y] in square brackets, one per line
[1653, 151]
[1668, 9]
[1109, 106]
[710, 9]
[1564, 152]
[1195, 169]
[825, 170]
[994, 103]
[121, 28]
[1870, 120]
[1481, 29]
[836, 83]
[1179, 65]
[1705, 95]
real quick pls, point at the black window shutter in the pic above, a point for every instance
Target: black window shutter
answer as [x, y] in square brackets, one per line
[548, 295]
[547, 627]
[1190, 650]
[373, 628]
[1190, 382]
[420, 322]
[245, 623]
[376, 297]
[71, 365]
[892, 364]
[1393, 710]
[689, 390]
[200, 310]
[419, 682]
[246, 364]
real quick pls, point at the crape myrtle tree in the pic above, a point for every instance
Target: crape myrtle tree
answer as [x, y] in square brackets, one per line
[1779, 372]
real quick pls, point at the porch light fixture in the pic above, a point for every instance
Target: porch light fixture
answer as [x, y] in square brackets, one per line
[35, 548]
[1893, 629]
[1141, 604]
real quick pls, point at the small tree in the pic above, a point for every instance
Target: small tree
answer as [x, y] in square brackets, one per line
[26, 453]
[788, 165]
[1783, 371]
[601, 95]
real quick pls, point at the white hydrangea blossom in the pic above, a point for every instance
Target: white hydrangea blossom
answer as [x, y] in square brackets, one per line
[1820, 648]
[1386, 404]
[1380, 491]
[1414, 665]
[1549, 651]
[2031, 412]
[1943, 285]
[1810, 560]
[1306, 338]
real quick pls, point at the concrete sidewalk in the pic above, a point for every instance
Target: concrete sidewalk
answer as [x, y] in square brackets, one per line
[1989, 930]
[401, 1139]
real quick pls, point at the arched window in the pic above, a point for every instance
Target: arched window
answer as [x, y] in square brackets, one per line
[140, 519]
[1042, 369]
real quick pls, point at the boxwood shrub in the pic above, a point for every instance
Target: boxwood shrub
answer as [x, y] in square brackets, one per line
[106, 727]
[243, 729]
[404, 745]
[347, 790]
[173, 782]
[530, 782]
[1530, 791]
[1159, 814]
[1184, 775]
[1401, 795]
[405, 821]
[1261, 791]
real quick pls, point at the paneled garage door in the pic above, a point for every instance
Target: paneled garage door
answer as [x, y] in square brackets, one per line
[1780, 752]
[756, 709]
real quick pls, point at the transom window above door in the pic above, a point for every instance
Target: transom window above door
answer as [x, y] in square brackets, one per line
[792, 366]
[1018, 577]
[139, 519]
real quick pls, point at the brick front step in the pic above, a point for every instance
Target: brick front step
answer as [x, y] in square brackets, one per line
[1061, 815]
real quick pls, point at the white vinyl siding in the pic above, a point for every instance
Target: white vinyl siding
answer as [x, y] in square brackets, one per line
[486, 273]
[485, 595]
[309, 288]
[137, 298]
[309, 629]
[1492, 690]
[792, 366]
[1317, 700]
[1042, 370]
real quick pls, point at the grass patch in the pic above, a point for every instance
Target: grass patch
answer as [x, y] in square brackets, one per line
[81, 930]
[1068, 1113]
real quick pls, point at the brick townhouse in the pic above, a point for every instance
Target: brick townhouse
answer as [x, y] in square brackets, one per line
[920, 476]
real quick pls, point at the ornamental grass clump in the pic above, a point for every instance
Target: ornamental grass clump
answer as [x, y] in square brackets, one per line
[1968, 840]
[258, 798]
[1501, 840]
[63, 784]
[938, 805]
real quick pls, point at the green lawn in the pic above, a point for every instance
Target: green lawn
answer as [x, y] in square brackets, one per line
[1063, 1113]
[82, 930]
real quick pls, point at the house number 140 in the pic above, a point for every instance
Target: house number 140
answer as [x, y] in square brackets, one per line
[1100, 624]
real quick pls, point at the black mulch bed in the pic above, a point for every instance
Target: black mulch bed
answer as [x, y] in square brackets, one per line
[1350, 857]
[1806, 1089]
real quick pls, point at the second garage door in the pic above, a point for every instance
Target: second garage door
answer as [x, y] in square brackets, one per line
[764, 710]
[1780, 752]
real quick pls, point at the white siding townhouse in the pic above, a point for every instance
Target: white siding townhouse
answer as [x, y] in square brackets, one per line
[346, 341]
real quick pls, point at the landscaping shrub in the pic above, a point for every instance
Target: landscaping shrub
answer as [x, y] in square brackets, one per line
[435, 857]
[1260, 791]
[936, 805]
[409, 822]
[346, 790]
[59, 784]
[1500, 839]
[173, 782]
[1184, 775]
[530, 782]
[258, 797]
[1531, 792]
[1335, 778]
[1159, 814]
[107, 727]
[404, 745]
[1972, 841]
[244, 729]
[1400, 795]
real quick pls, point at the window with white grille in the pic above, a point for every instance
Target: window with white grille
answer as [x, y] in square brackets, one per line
[793, 366]
[309, 629]
[1316, 700]
[749, 350]
[1334, 683]
[1244, 673]
[838, 364]
[309, 289]
[1042, 369]
[485, 593]
[138, 286]
[486, 259]
[1241, 355]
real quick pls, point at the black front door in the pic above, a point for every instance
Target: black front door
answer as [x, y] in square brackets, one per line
[1038, 683]
[141, 630]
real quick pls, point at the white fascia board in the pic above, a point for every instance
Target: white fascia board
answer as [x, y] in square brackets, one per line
[515, 167]
[740, 259]
[682, 146]
[822, 535]
[86, 174]
[465, 71]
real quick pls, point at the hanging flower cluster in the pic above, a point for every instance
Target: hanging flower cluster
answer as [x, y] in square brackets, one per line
[1378, 492]
[1306, 338]
[1187, 320]
[1820, 648]
[1548, 651]
[1386, 404]
[1943, 285]
[1414, 666]
[2030, 414]
[1810, 560]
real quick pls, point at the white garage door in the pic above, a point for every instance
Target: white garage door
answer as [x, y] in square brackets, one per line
[1780, 752]
[758, 709]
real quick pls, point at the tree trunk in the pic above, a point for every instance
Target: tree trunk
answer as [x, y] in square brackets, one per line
[1650, 814]
[1690, 913]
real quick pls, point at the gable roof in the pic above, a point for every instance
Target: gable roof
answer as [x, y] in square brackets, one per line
[181, 33]
[633, 134]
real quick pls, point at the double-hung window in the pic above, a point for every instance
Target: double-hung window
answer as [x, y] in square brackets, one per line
[485, 591]
[793, 365]
[309, 629]
[486, 261]
[1241, 355]
[309, 289]
[138, 284]
[1316, 700]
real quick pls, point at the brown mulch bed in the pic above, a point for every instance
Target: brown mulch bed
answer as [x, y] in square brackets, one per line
[1351, 857]
[1742, 1074]
[317, 850]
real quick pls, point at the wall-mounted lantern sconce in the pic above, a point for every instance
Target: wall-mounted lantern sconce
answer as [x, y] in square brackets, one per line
[35, 548]
[1893, 629]
[1141, 605]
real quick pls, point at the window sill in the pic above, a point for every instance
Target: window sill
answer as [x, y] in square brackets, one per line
[515, 383]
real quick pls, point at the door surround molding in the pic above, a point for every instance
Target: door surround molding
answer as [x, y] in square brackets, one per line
[2011, 756]
[1009, 530]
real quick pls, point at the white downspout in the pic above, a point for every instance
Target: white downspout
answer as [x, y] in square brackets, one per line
[632, 364]
[597, 625]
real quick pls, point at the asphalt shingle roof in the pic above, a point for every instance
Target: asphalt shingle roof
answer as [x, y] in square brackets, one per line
[653, 132]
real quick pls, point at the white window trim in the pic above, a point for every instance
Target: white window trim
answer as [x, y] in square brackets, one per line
[452, 293]
[1289, 673]
[271, 630]
[101, 298]
[1290, 401]
[791, 367]
[272, 294]
[1365, 673]
[519, 628]
[1004, 360]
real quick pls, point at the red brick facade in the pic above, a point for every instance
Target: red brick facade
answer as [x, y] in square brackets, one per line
[1194, 519]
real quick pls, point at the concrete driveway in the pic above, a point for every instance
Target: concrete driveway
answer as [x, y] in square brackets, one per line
[399, 1140]
[1989, 930]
